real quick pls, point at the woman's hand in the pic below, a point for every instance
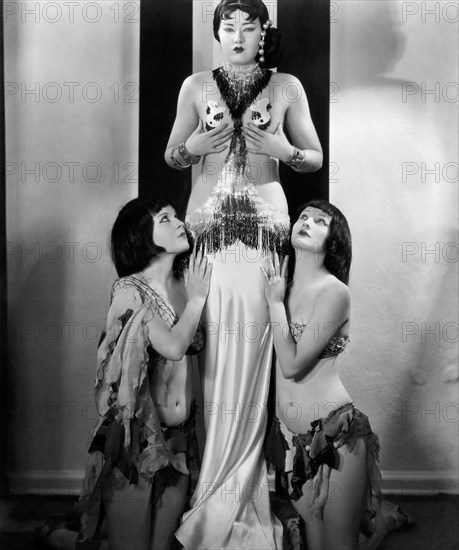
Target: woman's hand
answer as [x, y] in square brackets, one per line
[202, 143]
[275, 279]
[197, 276]
[262, 142]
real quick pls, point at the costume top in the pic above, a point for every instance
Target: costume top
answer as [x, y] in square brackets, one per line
[235, 211]
[335, 346]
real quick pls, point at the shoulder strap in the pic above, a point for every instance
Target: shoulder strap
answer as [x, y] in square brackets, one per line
[148, 294]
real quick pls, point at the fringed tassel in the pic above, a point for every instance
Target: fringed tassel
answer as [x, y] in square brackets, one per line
[238, 220]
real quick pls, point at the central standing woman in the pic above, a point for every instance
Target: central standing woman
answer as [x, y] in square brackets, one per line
[230, 122]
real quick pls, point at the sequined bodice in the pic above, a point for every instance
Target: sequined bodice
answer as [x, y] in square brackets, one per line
[335, 346]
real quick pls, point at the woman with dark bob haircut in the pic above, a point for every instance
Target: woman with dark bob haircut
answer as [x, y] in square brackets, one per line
[132, 245]
[137, 472]
[318, 439]
[230, 125]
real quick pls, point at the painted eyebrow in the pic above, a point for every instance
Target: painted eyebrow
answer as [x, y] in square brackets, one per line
[162, 213]
[324, 216]
[232, 24]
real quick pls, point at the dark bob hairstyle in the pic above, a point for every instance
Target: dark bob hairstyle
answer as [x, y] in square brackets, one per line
[132, 246]
[255, 9]
[338, 246]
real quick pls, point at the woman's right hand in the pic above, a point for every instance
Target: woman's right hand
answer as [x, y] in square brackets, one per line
[275, 277]
[197, 276]
[202, 143]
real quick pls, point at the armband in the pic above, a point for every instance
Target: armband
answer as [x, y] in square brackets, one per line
[174, 161]
[186, 155]
[298, 156]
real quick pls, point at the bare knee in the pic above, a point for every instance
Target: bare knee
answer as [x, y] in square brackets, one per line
[166, 515]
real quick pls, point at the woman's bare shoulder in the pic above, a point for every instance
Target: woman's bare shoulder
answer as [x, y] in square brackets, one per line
[334, 289]
[284, 78]
[197, 79]
[330, 291]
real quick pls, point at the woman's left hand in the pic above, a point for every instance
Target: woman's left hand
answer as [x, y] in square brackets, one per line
[262, 142]
[275, 279]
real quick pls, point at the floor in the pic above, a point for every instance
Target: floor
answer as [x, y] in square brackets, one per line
[437, 525]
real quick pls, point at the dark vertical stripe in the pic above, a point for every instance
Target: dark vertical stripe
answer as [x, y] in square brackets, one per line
[166, 54]
[3, 303]
[305, 28]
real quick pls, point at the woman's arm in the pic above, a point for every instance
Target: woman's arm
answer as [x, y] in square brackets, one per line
[305, 154]
[306, 151]
[297, 359]
[330, 312]
[188, 141]
[173, 342]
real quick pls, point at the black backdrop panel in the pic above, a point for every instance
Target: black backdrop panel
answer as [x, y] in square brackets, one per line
[166, 60]
[305, 27]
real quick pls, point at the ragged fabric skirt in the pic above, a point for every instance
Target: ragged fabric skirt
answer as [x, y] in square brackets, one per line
[230, 506]
[315, 453]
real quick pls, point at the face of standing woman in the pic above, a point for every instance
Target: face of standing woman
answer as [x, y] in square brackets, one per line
[239, 38]
[169, 231]
[311, 230]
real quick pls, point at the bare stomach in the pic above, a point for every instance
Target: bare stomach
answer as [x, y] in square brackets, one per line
[264, 175]
[298, 404]
[176, 408]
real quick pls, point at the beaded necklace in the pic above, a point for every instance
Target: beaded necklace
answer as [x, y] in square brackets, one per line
[239, 86]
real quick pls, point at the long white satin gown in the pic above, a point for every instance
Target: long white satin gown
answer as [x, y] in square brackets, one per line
[238, 229]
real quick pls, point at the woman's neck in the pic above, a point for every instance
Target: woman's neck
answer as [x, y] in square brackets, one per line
[243, 69]
[160, 270]
[309, 266]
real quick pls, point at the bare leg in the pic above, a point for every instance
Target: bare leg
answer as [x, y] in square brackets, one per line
[61, 539]
[166, 514]
[314, 526]
[128, 512]
[380, 531]
[342, 514]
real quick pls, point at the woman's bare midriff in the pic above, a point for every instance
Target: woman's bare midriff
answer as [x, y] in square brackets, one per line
[178, 396]
[264, 173]
[300, 402]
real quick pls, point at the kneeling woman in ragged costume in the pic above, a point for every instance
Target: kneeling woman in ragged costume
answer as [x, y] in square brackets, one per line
[322, 447]
[137, 474]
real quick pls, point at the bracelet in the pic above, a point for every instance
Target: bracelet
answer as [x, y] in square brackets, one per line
[174, 161]
[297, 157]
[186, 155]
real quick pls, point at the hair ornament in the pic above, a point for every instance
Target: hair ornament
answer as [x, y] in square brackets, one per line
[261, 51]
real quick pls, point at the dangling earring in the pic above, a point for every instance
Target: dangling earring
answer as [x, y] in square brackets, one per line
[261, 51]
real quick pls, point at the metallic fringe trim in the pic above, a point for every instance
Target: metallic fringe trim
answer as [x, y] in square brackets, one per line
[238, 220]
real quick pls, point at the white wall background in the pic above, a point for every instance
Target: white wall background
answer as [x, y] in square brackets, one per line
[58, 292]
[382, 143]
[59, 272]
